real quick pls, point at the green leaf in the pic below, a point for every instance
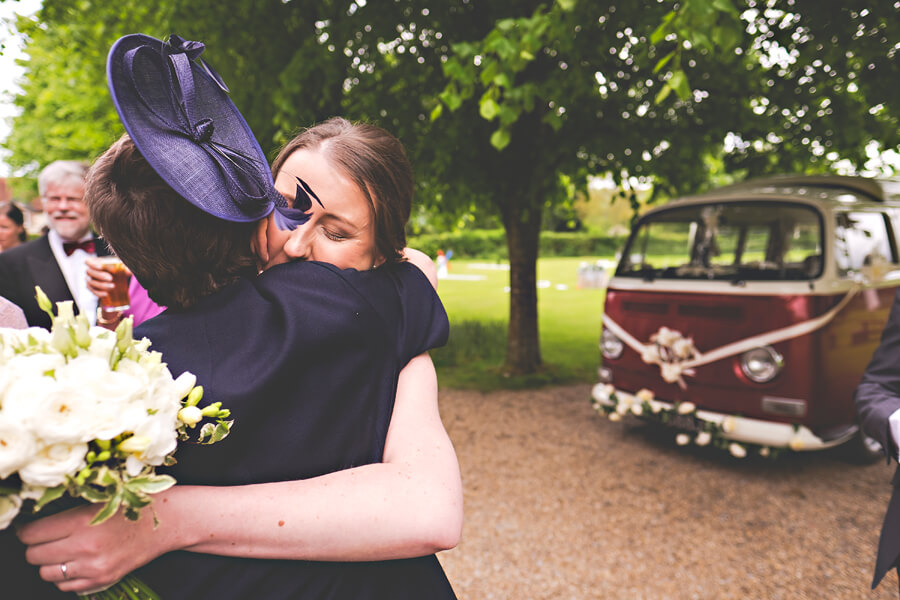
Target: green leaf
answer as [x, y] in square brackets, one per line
[566, 5]
[488, 109]
[49, 495]
[663, 62]
[108, 510]
[437, 111]
[500, 139]
[150, 484]
[451, 98]
[663, 93]
[679, 83]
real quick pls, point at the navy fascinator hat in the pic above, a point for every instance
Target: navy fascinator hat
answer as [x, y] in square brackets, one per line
[177, 111]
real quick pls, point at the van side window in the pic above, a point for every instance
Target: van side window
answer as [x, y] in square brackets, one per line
[860, 238]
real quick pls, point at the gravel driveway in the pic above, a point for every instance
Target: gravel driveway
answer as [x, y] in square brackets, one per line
[562, 503]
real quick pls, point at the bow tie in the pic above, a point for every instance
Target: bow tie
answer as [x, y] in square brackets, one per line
[87, 246]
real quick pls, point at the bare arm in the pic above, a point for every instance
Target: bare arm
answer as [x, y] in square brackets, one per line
[409, 505]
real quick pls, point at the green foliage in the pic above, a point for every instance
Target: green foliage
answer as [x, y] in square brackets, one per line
[490, 244]
[569, 320]
[506, 108]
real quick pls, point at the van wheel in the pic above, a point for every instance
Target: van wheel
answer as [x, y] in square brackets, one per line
[863, 449]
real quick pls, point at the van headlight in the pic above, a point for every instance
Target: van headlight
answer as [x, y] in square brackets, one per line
[610, 345]
[761, 365]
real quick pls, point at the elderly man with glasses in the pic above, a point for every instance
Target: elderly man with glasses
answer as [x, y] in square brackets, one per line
[56, 261]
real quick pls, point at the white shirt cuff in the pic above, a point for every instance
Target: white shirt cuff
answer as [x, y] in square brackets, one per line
[894, 423]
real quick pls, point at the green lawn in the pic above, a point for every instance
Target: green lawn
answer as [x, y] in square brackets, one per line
[478, 306]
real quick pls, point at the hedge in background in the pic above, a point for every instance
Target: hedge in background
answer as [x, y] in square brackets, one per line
[491, 244]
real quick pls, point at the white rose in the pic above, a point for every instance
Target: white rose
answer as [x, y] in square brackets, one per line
[103, 342]
[666, 336]
[20, 400]
[682, 439]
[728, 424]
[650, 355]
[686, 408]
[17, 445]
[101, 404]
[684, 348]
[34, 365]
[614, 416]
[703, 438]
[671, 372]
[9, 508]
[644, 395]
[655, 407]
[737, 450]
[622, 408]
[49, 467]
[637, 409]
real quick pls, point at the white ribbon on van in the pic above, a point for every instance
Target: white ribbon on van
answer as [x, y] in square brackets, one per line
[672, 366]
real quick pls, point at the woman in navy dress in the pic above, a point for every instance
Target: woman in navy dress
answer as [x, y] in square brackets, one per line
[328, 486]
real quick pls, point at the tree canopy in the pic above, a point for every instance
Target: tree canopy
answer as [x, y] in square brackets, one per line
[508, 107]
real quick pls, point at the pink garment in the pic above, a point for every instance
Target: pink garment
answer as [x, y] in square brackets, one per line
[11, 315]
[142, 307]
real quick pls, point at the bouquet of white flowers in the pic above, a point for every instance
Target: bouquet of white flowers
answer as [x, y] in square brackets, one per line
[89, 413]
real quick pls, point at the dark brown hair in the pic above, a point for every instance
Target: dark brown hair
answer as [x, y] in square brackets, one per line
[178, 252]
[376, 162]
[15, 215]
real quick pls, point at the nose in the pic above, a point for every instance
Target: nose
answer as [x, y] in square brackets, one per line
[299, 245]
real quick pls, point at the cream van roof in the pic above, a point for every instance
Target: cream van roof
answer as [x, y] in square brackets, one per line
[885, 190]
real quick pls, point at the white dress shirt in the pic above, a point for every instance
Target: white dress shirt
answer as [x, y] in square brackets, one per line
[74, 271]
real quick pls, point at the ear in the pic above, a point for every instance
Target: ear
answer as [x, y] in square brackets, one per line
[259, 243]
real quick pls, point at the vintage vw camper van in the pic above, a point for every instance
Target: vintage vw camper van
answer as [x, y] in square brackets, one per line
[746, 316]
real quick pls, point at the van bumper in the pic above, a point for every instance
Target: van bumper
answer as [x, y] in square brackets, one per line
[733, 427]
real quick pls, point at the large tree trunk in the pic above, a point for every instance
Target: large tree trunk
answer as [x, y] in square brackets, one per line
[523, 226]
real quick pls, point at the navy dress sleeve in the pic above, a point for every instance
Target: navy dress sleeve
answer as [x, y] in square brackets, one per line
[419, 319]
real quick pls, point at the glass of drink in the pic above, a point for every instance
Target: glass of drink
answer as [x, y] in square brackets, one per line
[116, 299]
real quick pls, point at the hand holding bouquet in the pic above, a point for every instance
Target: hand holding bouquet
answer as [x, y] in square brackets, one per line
[89, 413]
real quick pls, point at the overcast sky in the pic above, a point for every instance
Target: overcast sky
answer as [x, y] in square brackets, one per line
[9, 72]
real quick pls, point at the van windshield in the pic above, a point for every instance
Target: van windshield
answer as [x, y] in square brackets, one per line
[737, 241]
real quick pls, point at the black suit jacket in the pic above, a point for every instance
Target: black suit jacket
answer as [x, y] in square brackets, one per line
[877, 398]
[33, 264]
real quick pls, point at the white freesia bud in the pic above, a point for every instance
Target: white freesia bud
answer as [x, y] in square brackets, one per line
[136, 444]
[796, 444]
[65, 313]
[614, 416]
[686, 408]
[637, 409]
[644, 395]
[728, 424]
[737, 450]
[190, 415]
[655, 407]
[682, 439]
[703, 438]
[9, 508]
[764, 451]
[184, 384]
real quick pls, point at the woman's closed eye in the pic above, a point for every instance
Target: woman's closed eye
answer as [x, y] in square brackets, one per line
[335, 236]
